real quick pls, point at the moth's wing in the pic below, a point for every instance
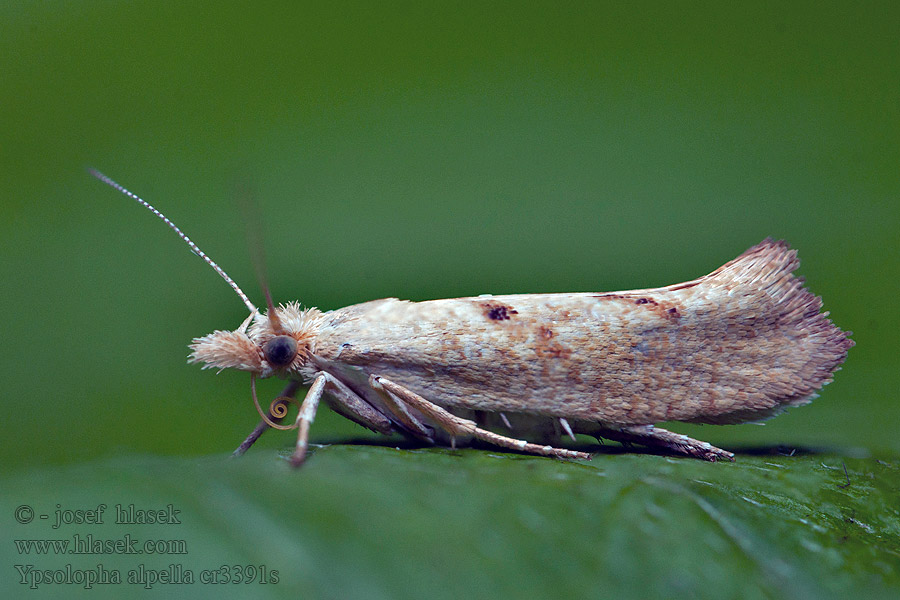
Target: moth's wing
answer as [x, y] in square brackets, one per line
[734, 345]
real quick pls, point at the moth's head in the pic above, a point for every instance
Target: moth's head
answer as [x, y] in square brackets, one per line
[277, 342]
[265, 344]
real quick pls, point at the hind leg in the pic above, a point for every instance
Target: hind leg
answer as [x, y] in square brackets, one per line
[655, 437]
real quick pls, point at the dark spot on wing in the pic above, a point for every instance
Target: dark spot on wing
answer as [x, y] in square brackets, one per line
[547, 348]
[662, 307]
[498, 312]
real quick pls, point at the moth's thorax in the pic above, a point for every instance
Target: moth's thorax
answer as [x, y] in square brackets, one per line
[246, 347]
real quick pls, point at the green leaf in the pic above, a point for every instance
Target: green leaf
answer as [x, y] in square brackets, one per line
[378, 522]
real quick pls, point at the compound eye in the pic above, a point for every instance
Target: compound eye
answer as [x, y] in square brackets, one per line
[280, 351]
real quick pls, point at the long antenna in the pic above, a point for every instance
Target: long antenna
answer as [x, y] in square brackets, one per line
[194, 248]
[257, 249]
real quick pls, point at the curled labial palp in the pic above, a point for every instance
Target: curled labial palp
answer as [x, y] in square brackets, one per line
[277, 409]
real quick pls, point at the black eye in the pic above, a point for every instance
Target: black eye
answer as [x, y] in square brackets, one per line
[280, 351]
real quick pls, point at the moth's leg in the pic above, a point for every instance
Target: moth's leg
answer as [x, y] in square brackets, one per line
[399, 410]
[648, 435]
[458, 426]
[567, 428]
[346, 401]
[349, 404]
[305, 418]
[341, 398]
[289, 391]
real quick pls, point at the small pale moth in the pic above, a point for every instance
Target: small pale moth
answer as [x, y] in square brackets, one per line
[519, 371]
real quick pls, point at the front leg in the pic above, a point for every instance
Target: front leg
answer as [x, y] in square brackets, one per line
[305, 418]
[342, 399]
[458, 426]
[288, 392]
[346, 401]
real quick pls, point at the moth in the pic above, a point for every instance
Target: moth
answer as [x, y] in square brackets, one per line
[737, 345]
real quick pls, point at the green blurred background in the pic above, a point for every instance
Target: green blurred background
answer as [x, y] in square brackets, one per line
[420, 150]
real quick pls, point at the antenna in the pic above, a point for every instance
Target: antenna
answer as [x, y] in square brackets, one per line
[194, 248]
[257, 248]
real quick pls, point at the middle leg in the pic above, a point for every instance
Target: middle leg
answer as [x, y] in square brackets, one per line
[458, 426]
